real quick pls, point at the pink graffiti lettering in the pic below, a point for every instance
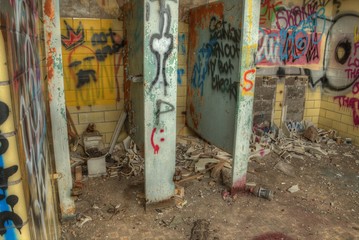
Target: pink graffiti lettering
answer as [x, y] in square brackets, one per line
[352, 103]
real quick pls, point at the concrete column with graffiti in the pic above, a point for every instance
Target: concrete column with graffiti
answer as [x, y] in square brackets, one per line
[13, 210]
[244, 107]
[160, 84]
[57, 104]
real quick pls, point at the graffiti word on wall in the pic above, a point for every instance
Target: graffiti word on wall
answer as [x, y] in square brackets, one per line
[348, 57]
[90, 68]
[296, 41]
[352, 103]
[216, 58]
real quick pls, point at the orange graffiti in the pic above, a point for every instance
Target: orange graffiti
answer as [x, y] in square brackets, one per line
[248, 84]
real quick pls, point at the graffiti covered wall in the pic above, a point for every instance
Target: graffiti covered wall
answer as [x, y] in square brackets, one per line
[22, 30]
[93, 51]
[93, 55]
[317, 40]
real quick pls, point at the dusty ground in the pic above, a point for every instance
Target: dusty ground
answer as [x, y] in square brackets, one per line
[325, 207]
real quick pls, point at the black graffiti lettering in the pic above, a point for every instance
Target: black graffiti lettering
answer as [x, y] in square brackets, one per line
[4, 112]
[4, 144]
[12, 200]
[224, 85]
[338, 4]
[168, 107]
[343, 51]
[6, 216]
[221, 50]
[222, 30]
[5, 173]
[225, 67]
[161, 45]
[85, 76]
[101, 39]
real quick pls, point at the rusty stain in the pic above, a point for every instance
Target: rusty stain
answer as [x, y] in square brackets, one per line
[50, 64]
[49, 9]
[68, 211]
[200, 17]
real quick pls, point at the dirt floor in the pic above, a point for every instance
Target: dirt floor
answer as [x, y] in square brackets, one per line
[325, 207]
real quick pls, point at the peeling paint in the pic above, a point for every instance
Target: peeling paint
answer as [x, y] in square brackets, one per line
[49, 9]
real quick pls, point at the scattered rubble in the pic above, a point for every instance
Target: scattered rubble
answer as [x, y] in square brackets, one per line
[293, 189]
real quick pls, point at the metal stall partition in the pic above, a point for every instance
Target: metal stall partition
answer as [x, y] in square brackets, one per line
[222, 50]
[214, 50]
[133, 61]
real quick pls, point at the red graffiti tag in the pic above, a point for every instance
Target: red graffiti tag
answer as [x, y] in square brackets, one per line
[155, 146]
[352, 103]
[247, 81]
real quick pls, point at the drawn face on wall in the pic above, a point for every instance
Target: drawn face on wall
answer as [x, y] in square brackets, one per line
[341, 62]
[83, 66]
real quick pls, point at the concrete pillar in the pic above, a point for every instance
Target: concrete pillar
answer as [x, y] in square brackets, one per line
[57, 105]
[244, 106]
[160, 93]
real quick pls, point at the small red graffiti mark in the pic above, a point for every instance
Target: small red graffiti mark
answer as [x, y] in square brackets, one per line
[247, 81]
[155, 146]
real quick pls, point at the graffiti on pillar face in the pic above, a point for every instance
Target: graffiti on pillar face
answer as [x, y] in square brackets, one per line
[162, 107]
[161, 45]
[156, 147]
[9, 220]
[25, 48]
[248, 82]
[92, 68]
[34, 140]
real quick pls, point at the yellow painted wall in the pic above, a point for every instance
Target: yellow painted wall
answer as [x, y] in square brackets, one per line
[101, 101]
[182, 78]
[340, 111]
[83, 40]
[96, 102]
